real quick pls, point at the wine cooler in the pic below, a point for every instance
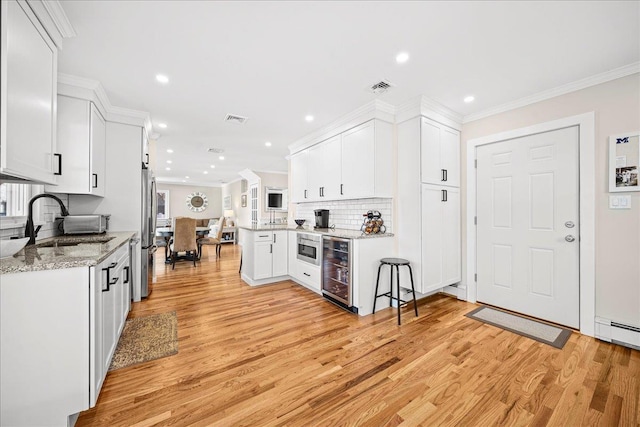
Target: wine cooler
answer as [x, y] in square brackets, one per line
[336, 272]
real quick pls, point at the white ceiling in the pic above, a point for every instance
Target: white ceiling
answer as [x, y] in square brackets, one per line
[276, 62]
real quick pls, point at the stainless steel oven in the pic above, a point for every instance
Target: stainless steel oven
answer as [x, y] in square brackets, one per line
[310, 248]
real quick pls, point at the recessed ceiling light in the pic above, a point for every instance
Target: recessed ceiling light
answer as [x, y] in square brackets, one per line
[187, 177]
[308, 118]
[162, 125]
[221, 157]
[184, 180]
[268, 144]
[167, 169]
[161, 78]
[205, 172]
[213, 166]
[402, 57]
[169, 161]
[469, 99]
[169, 150]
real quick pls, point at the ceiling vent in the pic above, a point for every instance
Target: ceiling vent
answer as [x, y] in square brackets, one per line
[380, 87]
[234, 118]
[216, 150]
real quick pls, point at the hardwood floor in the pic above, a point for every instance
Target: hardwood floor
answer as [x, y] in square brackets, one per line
[281, 355]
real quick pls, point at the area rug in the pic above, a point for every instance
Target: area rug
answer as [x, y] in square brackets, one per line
[555, 336]
[146, 338]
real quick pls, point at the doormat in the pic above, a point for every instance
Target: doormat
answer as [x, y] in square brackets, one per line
[552, 335]
[146, 338]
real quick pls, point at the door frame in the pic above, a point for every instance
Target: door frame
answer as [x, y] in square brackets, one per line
[586, 148]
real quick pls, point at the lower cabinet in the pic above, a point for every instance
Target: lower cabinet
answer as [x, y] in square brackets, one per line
[56, 347]
[264, 255]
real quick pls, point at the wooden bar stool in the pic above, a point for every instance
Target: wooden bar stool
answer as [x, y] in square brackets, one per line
[395, 262]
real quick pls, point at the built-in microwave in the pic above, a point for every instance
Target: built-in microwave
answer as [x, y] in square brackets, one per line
[276, 199]
[309, 248]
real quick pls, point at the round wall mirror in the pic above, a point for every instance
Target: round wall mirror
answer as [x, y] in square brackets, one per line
[197, 201]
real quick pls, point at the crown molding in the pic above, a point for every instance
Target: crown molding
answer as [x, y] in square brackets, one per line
[375, 109]
[168, 181]
[607, 76]
[423, 106]
[274, 172]
[60, 18]
[93, 90]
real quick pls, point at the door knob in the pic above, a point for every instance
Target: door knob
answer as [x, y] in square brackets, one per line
[569, 224]
[569, 238]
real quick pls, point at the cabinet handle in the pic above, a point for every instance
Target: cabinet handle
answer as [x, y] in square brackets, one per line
[341, 193]
[446, 175]
[107, 270]
[95, 180]
[444, 195]
[126, 278]
[320, 192]
[59, 163]
[307, 274]
[305, 194]
[274, 237]
[114, 281]
[263, 235]
[147, 162]
[271, 248]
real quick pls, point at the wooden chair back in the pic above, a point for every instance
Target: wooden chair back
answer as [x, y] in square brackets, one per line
[184, 235]
[221, 225]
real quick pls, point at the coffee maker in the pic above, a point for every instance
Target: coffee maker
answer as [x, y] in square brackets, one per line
[322, 218]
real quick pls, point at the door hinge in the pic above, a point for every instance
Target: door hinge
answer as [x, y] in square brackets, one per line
[475, 277]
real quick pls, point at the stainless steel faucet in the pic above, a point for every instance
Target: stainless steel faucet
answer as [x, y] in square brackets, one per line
[28, 230]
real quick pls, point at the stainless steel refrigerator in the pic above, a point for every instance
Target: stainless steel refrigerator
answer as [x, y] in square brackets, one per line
[148, 234]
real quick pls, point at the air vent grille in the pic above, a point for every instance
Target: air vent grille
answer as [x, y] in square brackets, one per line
[234, 118]
[380, 87]
[216, 150]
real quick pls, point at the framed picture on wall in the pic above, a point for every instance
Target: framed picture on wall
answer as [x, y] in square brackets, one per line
[163, 204]
[624, 162]
[243, 201]
[226, 202]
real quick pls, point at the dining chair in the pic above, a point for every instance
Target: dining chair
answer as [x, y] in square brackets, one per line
[184, 239]
[213, 240]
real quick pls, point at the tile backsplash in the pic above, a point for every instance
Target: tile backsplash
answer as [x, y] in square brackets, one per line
[346, 214]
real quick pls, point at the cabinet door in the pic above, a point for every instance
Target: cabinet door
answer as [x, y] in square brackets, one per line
[358, 156]
[108, 311]
[263, 260]
[451, 270]
[279, 253]
[98, 152]
[96, 354]
[332, 168]
[299, 176]
[430, 152]
[315, 177]
[431, 238]
[450, 156]
[292, 249]
[28, 96]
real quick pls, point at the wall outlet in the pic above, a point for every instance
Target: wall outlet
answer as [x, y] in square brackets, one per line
[619, 202]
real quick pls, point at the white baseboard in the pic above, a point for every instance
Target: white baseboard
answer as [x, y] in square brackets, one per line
[617, 333]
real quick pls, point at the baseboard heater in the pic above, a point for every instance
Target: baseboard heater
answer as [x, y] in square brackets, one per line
[618, 333]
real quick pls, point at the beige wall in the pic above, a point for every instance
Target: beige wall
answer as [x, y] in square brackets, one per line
[279, 180]
[617, 110]
[242, 215]
[178, 196]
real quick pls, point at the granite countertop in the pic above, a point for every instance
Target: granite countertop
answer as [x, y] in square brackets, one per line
[91, 249]
[338, 232]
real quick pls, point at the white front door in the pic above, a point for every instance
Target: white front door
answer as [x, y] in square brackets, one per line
[528, 225]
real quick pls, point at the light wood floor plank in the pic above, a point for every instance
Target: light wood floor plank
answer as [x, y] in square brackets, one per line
[280, 355]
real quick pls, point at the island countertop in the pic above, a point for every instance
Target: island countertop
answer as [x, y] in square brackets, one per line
[337, 232]
[65, 252]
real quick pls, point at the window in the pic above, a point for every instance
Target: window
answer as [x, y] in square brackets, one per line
[14, 199]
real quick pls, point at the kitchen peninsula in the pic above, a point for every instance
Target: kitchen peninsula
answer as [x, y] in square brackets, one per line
[67, 298]
[273, 253]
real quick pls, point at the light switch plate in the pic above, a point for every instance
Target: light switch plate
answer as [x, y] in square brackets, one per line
[619, 202]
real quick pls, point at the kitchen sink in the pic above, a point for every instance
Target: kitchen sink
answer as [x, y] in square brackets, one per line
[55, 244]
[73, 241]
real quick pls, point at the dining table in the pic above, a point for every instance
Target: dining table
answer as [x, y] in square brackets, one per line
[167, 233]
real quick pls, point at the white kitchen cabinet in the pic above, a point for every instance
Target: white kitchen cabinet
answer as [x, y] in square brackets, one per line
[299, 175]
[440, 237]
[358, 152]
[264, 254]
[81, 144]
[28, 80]
[440, 154]
[325, 170]
[428, 228]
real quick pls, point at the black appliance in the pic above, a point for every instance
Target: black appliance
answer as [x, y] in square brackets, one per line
[322, 218]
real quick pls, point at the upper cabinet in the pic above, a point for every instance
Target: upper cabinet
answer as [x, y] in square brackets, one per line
[81, 147]
[440, 154]
[28, 64]
[352, 165]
